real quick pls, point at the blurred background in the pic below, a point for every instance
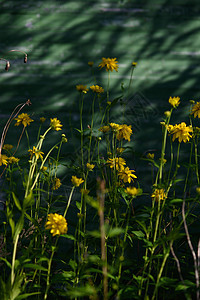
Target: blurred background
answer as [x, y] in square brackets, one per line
[60, 37]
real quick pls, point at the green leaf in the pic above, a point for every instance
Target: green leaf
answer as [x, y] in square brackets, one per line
[115, 231]
[174, 201]
[16, 200]
[68, 236]
[139, 234]
[94, 233]
[35, 267]
[6, 261]
[24, 296]
[29, 200]
[78, 205]
[19, 226]
[92, 202]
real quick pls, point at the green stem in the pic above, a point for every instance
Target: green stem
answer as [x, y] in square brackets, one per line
[13, 260]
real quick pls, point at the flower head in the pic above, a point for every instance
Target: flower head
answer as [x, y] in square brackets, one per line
[118, 163]
[90, 63]
[114, 126]
[42, 119]
[124, 132]
[57, 224]
[36, 152]
[158, 194]
[7, 147]
[132, 191]
[126, 175]
[3, 160]
[134, 64]
[56, 183]
[181, 132]
[76, 181]
[97, 89]
[55, 124]
[120, 150]
[109, 63]
[13, 160]
[175, 101]
[82, 88]
[196, 110]
[90, 167]
[23, 119]
[104, 129]
[150, 155]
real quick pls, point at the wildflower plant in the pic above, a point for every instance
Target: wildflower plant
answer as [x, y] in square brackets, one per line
[92, 232]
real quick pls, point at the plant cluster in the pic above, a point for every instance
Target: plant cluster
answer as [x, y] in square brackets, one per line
[107, 238]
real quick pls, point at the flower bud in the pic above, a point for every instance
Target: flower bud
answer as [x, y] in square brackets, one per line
[7, 66]
[167, 113]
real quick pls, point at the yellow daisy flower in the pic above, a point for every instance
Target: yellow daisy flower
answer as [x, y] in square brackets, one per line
[57, 224]
[175, 101]
[82, 88]
[109, 63]
[76, 181]
[158, 194]
[13, 160]
[124, 132]
[181, 132]
[134, 64]
[42, 119]
[150, 155]
[36, 152]
[3, 160]
[55, 124]
[104, 129]
[90, 167]
[126, 175]
[56, 183]
[132, 191]
[114, 126]
[8, 147]
[196, 110]
[97, 89]
[23, 119]
[90, 63]
[118, 163]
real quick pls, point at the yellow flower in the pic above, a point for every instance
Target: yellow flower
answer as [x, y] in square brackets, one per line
[150, 155]
[82, 88]
[90, 63]
[38, 153]
[57, 224]
[3, 160]
[132, 191]
[13, 160]
[158, 194]
[90, 167]
[126, 175]
[120, 150]
[169, 128]
[117, 163]
[196, 110]
[109, 63]
[134, 64]
[55, 124]
[42, 119]
[44, 169]
[181, 132]
[8, 147]
[97, 89]
[104, 129]
[76, 181]
[23, 119]
[64, 139]
[175, 101]
[114, 126]
[124, 132]
[56, 183]
[109, 102]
